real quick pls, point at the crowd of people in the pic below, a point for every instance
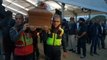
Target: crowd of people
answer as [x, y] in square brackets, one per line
[21, 39]
[86, 32]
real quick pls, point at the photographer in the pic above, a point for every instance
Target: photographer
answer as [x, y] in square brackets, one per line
[21, 36]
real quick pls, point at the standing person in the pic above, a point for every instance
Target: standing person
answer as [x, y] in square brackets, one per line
[20, 35]
[54, 40]
[99, 35]
[44, 36]
[8, 45]
[89, 32]
[94, 38]
[72, 35]
[2, 15]
[65, 35]
[35, 35]
[81, 43]
[103, 35]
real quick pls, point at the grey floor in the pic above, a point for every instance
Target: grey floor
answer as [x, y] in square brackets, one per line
[73, 56]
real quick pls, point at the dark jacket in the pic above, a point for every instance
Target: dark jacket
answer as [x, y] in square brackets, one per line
[44, 36]
[72, 28]
[81, 30]
[95, 30]
[1, 1]
[103, 31]
[15, 33]
[65, 26]
[5, 25]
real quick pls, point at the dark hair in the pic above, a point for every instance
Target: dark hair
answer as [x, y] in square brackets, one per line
[20, 15]
[8, 14]
[56, 16]
[2, 11]
[71, 18]
[64, 20]
[1, 1]
[58, 12]
[82, 19]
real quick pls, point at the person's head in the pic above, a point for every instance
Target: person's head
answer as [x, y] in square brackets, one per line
[64, 20]
[2, 12]
[19, 19]
[1, 1]
[46, 28]
[81, 21]
[72, 19]
[56, 22]
[9, 14]
[96, 21]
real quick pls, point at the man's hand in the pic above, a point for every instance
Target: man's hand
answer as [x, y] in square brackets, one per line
[25, 26]
[33, 28]
[62, 31]
[65, 54]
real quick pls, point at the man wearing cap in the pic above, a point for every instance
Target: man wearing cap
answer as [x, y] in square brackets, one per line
[81, 43]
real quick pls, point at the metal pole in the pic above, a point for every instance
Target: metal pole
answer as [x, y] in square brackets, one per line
[63, 5]
[89, 16]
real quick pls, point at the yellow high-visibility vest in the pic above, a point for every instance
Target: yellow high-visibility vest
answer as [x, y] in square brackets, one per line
[24, 40]
[54, 40]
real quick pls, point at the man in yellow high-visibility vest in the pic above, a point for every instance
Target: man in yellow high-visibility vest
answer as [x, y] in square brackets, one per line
[54, 40]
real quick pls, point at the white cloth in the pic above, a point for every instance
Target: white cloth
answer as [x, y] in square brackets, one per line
[72, 42]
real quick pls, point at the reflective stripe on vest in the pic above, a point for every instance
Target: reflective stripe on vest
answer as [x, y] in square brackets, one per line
[24, 41]
[54, 41]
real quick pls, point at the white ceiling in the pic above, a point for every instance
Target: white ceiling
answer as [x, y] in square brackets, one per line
[22, 6]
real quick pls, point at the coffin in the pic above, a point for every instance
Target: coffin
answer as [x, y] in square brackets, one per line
[39, 17]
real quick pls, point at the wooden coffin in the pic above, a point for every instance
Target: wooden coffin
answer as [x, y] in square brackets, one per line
[39, 17]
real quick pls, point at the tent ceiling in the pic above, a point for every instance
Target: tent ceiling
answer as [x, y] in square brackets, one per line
[22, 6]
[99, 5]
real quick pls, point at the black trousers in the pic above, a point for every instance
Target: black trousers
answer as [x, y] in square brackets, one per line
[45, 48]
[8, 55]
[65, 40]
[103, 41]
[36, 53]
[27, 57]
[53, 53]
[81, 45]
[8, 52]
[94, 43]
